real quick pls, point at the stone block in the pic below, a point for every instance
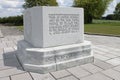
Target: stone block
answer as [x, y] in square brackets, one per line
[53, 39]
[53, 26]
[43, 60]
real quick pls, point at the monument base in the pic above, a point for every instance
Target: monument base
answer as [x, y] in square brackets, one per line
[44, 60]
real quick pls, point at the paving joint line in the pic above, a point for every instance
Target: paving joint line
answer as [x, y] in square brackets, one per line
[10, 78]
[115, 70]
[108, 57]
[98, 66]
[52, 76]
[99, 49]
[7, 69]
[107, 76]
[106, 53]
[72, 74]
[12, 75]
[101, 67]
[31, 76]
[17, 74]
[19, 62]
[62, 77]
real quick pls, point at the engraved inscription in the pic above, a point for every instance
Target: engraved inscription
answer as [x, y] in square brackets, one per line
[73, 55]
[63, 23]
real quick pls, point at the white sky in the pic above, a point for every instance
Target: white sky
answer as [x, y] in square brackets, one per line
[111, 7]
[14, 7]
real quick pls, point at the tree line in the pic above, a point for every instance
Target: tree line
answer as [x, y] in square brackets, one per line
[93, 9]
[12, 20]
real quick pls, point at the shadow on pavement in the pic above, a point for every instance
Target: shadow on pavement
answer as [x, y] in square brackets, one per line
[10, 60]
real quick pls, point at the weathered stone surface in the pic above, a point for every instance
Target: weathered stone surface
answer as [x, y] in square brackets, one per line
[53, 26]
[44, 60]
[74, 62]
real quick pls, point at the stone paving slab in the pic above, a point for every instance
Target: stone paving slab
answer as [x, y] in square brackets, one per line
[110, 55]
[91, 68]
[1, 35]
[97, 76]
[107, 50]
[10, 72]
[101, 57]
[112, 74]
[5, 78]
[102, 64]
[79, 72]
[3, 66]
[106, 65]
[60, 74]
[117, 68]
[114, 61]
[24, 76]
[37, 76]
[69, 78]
[112, 42]
[99, 52]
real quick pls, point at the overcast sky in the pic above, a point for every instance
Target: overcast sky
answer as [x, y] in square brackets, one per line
[14, 7]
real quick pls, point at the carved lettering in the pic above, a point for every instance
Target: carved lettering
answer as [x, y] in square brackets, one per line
[63, 23]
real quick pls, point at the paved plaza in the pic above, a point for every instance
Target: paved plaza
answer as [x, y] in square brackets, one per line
[106, 65]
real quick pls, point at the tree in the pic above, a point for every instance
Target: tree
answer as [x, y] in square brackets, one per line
[92, 8]
[31, 3]
[117, 11]
[110, 17]
[12, 20]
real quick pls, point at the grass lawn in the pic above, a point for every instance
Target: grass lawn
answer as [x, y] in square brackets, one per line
[20, 28]
[107, 27]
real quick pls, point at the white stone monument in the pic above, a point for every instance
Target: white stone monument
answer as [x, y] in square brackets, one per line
[53, 39]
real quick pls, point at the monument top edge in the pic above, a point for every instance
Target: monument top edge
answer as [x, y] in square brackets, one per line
[55, 7]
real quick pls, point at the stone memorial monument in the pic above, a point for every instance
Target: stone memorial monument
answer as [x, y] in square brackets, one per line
[53, 39]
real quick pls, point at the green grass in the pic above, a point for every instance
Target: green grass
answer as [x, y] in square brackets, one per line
[106, 27]
[20, 28]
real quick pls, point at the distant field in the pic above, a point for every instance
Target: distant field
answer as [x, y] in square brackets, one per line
[107, 27]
